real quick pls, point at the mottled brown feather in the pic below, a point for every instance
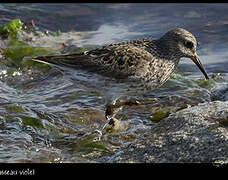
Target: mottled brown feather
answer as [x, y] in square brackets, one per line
[148, 61]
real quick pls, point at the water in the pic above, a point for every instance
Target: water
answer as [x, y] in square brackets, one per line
[50, 116]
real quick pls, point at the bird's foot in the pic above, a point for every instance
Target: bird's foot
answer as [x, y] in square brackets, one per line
[98, 138]
[110, 121]
[110, 114]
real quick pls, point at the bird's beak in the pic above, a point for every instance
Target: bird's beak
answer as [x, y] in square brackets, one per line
[196, 60]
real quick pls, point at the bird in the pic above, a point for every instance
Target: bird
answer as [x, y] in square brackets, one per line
[145, 64]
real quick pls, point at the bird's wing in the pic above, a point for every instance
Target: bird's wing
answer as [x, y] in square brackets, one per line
[115, 60]
[75, 59]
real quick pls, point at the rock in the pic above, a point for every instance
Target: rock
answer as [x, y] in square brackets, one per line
[196, 134]
[220, 93]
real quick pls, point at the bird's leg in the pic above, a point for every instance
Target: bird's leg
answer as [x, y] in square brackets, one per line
[110, 110]
[109, 115]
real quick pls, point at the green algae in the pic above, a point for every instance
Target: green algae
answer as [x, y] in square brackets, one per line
[159, 115]
[181, 78]
[54, 33]
[19, 53]
[11, 28]
[17, 50]
[87, 145]
[14, 108]
[31, 121]
[204, 83]
[212, 82]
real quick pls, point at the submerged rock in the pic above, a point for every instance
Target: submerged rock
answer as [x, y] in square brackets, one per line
[196, 134]
[220, 93]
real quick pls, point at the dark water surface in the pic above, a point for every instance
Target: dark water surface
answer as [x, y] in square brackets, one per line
[51, 119]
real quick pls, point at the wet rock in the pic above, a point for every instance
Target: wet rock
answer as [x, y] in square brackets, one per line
[196, 134]
[220, 93]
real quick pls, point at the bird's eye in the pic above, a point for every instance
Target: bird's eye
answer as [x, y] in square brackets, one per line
[188, 44]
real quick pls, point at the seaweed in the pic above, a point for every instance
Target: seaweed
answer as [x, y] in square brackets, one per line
[11, 29]
[14, 108]
[159, 115]
[204, 83]
[32, 122]
[19, 54]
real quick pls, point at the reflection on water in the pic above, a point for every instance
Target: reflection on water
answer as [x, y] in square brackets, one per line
[51, 117]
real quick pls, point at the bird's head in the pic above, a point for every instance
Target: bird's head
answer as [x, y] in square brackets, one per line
[184, 44]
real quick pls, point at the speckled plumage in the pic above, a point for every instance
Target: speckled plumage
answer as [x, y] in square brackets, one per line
[145, 63]
[148, 61]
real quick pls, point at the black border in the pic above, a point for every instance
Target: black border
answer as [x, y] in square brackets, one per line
[114, 170]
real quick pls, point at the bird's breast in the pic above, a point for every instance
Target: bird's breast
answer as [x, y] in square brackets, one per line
[159, 72]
